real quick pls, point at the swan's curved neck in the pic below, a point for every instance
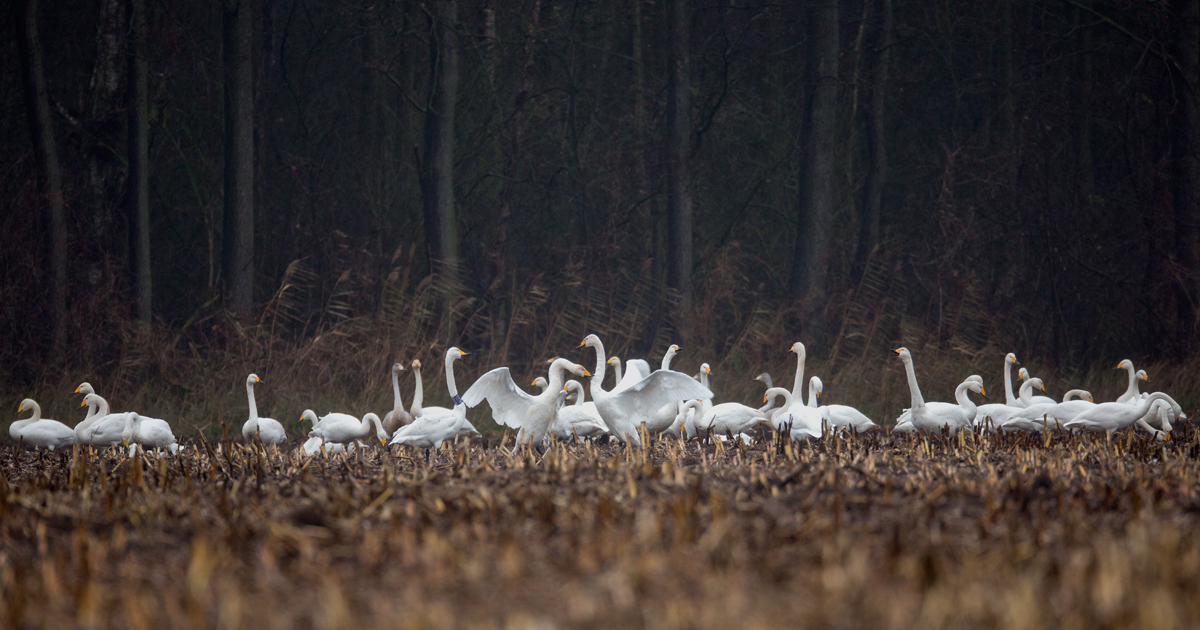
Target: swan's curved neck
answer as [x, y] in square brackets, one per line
[37, 414]
[1009, 398]
[557, 376]
[798, 385]
[577, 389]
[598, 377]
[913, 388]
[704, 379]
[1027, 393]
[616, 371]
[450, 384]
[1132, 390]
[418, 392]
[964, 401]
[773, 392]
[666, 360]
[253, 405]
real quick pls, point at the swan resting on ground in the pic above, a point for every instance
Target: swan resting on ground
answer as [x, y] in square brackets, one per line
[840, 416]
[100, 428]
[38, 431]
[800, 422]
[266, 430]
[143, 432]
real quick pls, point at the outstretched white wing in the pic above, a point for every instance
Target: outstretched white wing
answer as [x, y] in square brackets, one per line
[649, 394]
[509, 403]
[635, 371]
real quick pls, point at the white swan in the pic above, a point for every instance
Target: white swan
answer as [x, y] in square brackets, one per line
[934, 417]
[1131, 394]
[433, 428]
[312, 445]
[991, 416]
[731, 418]
[415, 409]
[623, 411]
[342, 428]
[1010, 360]
[579, 419]
[839, 416]
[397, 417]
[267, 430]
[143, 432]
[904, 422]
[85, 388]
[100, 428]
[36, 431]
[532, 416]
[664, 418]
[684, 425]
[1036, 400]
[1113, 416]
[799, 421]
[768, 409]
[615, 362]
[798, 383]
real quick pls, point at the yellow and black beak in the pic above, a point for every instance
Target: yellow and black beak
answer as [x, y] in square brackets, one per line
[583, 343]
[462, 353]
[76, 390]
[982, 390]
[897, 350]
[83, 403]
[587, 373]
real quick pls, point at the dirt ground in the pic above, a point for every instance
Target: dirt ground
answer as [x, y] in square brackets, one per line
[879, 532]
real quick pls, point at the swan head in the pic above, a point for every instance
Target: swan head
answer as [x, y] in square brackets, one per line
[613, 361]
[1036, 383]
[798, 348]
[976, 386]
[591, 341]
[705, 369]
[90, 399]
[28, 403]
[975, 377]
[1023, 374]
[540, 383]
[1011, 358]
[455, 353]
[1125, 364]
[85, 388]
[815, 385]
[903, 353]
[252, 379]
[309, 415]
[762, 378]
[397, 368]
[416, 364]
[1141, 375]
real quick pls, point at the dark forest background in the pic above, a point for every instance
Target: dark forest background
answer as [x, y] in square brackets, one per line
[313, 190]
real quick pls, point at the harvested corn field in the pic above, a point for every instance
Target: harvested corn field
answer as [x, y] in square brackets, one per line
[865, 531]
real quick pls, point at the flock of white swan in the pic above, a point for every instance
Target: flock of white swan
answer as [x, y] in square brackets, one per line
[642, 404]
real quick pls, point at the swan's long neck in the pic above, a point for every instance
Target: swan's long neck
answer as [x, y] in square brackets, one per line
[418, 393]
[1009, 398]
[773, 392]
[616, 371]
[1027, 393]
[556, 377]
[1132, 390]
[398, 404]
[798, 385]
[450, 384]
[964, 401]
[666, 360]
[913, 388]
[704, 379]
[598, 377]
[37, 415]
[253, 405]
[577, 389]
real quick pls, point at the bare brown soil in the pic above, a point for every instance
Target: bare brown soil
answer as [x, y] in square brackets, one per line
[878, 532]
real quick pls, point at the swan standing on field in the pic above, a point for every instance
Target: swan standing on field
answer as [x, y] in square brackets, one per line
[100, 428]
[512, 407]
[1036, 400]
[800, 422]
[840, 416]
[141, 431]
[345, 429]
[904, 422]
[266, 430]
[623, 411]
[580, 419]
[397, 417]
[40, 432]
[933, 417]
[1113, 416]
[433, 428]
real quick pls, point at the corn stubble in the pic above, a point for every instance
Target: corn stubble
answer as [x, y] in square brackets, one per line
[1025, 531]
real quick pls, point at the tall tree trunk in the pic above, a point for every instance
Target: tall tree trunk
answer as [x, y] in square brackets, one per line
[1184, 167]
[441, 223]
[105, 174]
[815, 210]
[139, 161]
[679, 143]
[868, 229]
[238, 237]
[41, 129]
